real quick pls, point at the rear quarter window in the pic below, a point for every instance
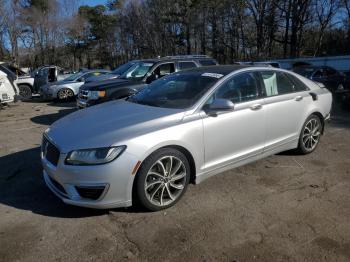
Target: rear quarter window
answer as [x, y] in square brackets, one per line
[299, 86]
[186, 65]
[207, 62]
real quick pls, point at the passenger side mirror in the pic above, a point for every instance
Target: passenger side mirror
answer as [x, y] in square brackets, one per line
[219, 105]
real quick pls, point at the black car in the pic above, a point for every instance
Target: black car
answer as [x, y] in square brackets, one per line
[114, 74]
[332, 79]
[137, 77]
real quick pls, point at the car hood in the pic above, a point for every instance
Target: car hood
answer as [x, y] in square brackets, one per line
[101, 78]
[109, 123]
[95, 86]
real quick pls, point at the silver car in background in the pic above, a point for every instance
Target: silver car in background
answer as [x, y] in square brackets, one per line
[181, 129]
[68, 87]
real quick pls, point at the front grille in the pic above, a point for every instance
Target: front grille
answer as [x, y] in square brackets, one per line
[83, 94]
[50, 151]
[58, 186]
[93, 193]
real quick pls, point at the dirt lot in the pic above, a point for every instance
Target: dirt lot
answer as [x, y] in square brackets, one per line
[284, 208]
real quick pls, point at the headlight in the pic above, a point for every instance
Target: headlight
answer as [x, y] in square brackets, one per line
[96, 156]
[96, 94]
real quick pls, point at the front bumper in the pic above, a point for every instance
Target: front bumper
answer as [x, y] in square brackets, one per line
[87, 103]
[115, 178]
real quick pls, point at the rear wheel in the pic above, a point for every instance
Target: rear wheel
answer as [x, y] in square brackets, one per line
[310, 134]
[65, 94]
[162, 179]
[25, 92]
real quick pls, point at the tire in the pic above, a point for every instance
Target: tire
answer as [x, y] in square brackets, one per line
[25, 92]
[310, 135]
[65, 94]
[155, 187]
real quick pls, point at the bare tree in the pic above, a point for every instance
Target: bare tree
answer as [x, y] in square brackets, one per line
[325, 10]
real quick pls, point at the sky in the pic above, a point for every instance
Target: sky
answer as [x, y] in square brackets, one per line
[93, 2]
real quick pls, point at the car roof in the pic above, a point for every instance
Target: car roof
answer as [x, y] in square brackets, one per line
[313, 66]
[175, 58]
[96, 70]
[218, 69]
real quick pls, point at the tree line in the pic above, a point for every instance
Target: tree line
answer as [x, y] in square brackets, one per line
[65, 33]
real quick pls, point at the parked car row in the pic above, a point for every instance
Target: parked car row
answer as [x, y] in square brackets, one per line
[181, 127]
[91, 87]
[136, 77]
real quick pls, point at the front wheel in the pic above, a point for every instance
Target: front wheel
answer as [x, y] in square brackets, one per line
[310, 135]
[162, 179]
[65, 94]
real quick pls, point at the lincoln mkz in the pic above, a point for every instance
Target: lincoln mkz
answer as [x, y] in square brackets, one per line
[180, 129]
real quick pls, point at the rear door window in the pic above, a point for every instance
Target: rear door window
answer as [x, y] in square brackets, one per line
[186, 65]
[277, 83]
[330, 71]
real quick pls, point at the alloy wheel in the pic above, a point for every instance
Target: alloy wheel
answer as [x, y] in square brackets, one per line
[65, 94]
[165, 181]
[311, 134]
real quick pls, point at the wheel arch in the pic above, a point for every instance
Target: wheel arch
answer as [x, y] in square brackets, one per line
[190, 159]
[320, 116]
[121, 93]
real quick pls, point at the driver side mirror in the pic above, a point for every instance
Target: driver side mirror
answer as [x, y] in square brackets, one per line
[151, 78]
[219, 105]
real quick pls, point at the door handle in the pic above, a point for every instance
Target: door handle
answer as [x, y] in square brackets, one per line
[256, 107]
[298, 98]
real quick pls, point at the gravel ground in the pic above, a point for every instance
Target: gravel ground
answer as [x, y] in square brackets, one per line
[283, 208]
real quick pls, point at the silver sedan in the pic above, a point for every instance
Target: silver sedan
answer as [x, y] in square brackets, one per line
[69, 87]
[181, 129]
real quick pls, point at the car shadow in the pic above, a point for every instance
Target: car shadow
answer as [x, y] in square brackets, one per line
[22, 186]
[52, 102]
[50, 118]
[65, 103]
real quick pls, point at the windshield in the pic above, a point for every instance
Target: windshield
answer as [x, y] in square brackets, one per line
[178, 91]
[123, 68]
[74, 76]
[137, 71]
[304, 71]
